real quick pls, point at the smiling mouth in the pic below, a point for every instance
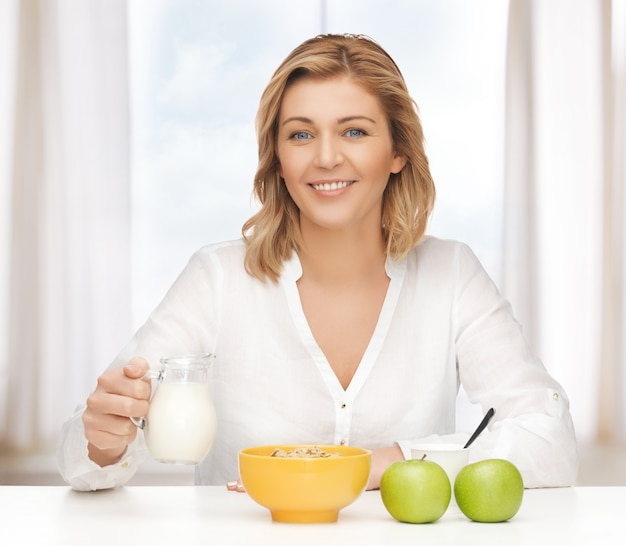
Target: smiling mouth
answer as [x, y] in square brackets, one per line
[330, 186]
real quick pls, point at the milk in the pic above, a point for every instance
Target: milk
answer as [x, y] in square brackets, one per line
[181, 424]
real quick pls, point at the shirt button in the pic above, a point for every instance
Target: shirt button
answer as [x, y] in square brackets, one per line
[342, 443]
[555, 396]
[343, 405]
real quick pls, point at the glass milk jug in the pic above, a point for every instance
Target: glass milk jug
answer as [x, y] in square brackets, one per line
[181, 423]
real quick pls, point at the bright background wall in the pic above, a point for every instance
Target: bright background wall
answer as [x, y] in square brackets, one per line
[127, 141]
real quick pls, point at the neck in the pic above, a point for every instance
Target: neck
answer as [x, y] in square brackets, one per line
[343, 255]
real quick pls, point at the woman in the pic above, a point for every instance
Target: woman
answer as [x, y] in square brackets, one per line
[335, 319]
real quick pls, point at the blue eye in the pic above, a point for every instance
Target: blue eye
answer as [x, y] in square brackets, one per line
[354, 133]
[300, 135]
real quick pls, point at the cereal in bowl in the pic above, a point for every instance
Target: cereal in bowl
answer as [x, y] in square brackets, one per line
[313, 452]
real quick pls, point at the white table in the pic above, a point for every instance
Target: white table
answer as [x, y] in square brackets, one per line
[214, 516]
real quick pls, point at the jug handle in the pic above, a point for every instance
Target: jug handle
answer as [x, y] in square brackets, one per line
[152, 375]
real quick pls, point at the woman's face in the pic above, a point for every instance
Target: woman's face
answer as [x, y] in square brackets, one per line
[335, 153]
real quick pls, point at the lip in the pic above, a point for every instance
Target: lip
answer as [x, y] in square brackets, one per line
[331, 186]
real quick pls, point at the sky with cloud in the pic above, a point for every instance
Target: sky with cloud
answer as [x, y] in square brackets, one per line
[198, 68]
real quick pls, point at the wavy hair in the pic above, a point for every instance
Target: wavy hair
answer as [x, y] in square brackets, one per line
[273, 233]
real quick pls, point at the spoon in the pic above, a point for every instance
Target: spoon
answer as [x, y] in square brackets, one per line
[480, 427]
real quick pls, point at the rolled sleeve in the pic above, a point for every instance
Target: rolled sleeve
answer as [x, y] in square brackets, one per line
[80, 472]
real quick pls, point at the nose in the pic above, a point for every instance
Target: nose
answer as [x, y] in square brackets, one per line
[328, 153]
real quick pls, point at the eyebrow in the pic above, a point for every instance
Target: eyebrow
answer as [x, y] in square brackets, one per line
[346, 119]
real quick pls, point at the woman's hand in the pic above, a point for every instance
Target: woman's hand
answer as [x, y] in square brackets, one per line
[120, 394]
[381, 459]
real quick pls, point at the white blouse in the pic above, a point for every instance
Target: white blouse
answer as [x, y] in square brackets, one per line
[443, 322]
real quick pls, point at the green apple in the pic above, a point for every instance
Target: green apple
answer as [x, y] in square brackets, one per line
[415, 491]
[489, 491]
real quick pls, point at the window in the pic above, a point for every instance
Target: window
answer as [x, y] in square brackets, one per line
[198, 69]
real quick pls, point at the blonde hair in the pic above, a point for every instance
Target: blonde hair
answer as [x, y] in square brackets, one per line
[273, 233]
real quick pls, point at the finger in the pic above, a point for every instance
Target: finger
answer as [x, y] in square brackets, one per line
[136, 367]
[117, 382]
[117, 425]
[109, 431]
[104, 403]
[105, 440]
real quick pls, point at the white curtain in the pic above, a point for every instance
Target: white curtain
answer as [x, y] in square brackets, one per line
[564, 233]
[68, 273]
[65, 187]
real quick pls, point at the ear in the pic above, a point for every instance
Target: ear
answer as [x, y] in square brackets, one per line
[397, 163]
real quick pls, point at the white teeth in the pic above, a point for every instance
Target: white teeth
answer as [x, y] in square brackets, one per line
[330, 186]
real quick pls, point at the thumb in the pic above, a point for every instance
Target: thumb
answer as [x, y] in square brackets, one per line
[136, 367]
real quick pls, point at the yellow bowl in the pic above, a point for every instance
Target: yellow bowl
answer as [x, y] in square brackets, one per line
[304, 490]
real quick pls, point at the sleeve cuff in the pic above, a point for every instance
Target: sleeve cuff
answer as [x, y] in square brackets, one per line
[81, 473]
